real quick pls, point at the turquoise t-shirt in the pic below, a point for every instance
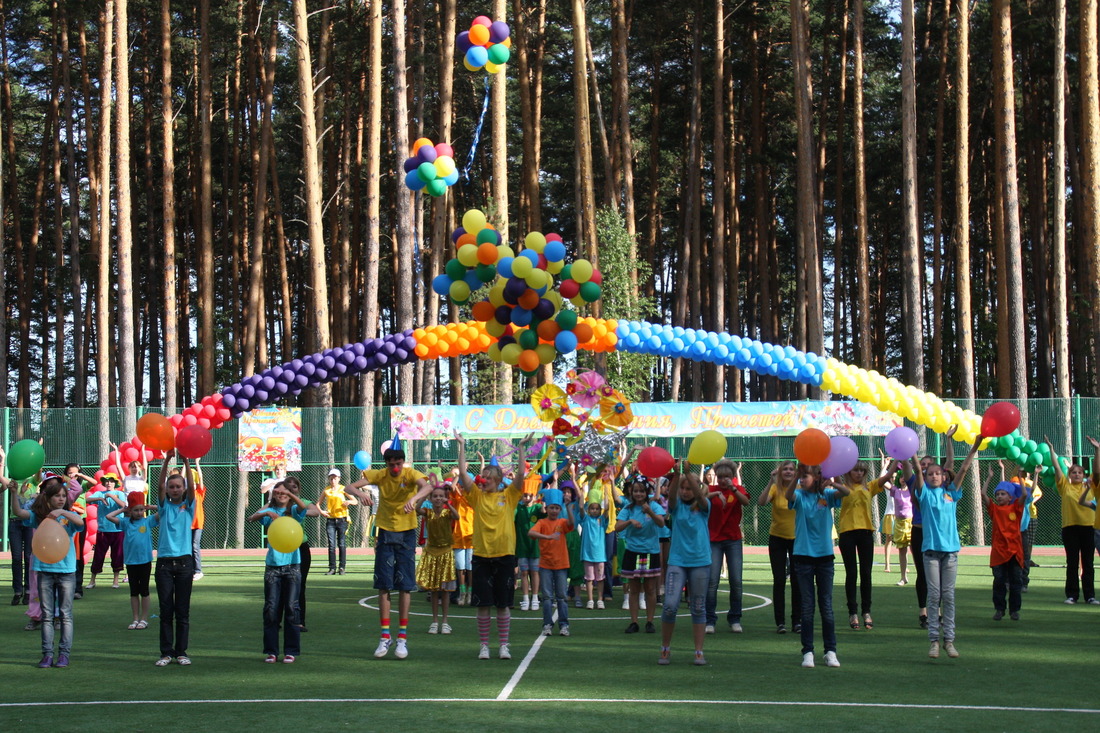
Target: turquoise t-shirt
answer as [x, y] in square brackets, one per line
[107, 502]
[274, 557]
[941, 525]
[690, 546]
[593, 529]
[137, 540]
[644, 539]
[813, 521]
[66, 564]
[175, 529]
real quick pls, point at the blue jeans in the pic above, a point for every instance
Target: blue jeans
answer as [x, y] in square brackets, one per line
[552, 587]
[281, 584]
[731, 551]
[337, 529]
[941, 569]
[19, 539]
[175, 576]
[55, 593]
[1008, 577]
[696, 580]
[810, 572]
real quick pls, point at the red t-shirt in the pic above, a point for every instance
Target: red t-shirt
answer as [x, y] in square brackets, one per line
[1006, 532]
[725, 514]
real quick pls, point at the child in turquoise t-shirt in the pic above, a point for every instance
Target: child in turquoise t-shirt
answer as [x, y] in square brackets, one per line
[137, 548]
[593, 526]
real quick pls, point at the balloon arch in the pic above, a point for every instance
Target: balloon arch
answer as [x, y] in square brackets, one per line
[457, 339]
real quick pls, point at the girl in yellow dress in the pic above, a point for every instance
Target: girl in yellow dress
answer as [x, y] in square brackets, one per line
[436, 571]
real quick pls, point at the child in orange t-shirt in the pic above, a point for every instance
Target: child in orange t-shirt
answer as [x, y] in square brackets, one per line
[1006, 556]
[550, 531]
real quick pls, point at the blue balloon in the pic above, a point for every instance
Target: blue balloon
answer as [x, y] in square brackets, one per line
[531, 255]
[764, 361]
[565, 342]
[521, 316]
[676, 344]
[451, 179]
[441, 284]
[654, 343]
[413, 181]
[699, 348]
[807, 372]
[476, 56]
[504, 267]
[554, 251]
[787, 366]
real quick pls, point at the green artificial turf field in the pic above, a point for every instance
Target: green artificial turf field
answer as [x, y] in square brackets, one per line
[1034, 674]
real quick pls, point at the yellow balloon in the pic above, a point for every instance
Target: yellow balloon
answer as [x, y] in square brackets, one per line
[444, 166]
[581, 271]
[495, 328]
[522, 267]
[494, 352]
[510, 354]
[467, 255]
[460, 291]
[496, 294]
[707, 447]
[554, 297]
[546, 353]
[473, 221]
[285, 534]
[535, 241]
[535, 279]
[555, 267]
[493, 68]
[503, 250]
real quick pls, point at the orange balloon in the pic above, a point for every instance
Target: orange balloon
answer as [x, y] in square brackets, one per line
[812, 446]
[479, 35]
[548, 329]
[529, 299]
[528, 360]
[419, 143]
[487, 253]
[50, 542]
[483, 311]
[155, 431]
[583, 332]
[466, 238]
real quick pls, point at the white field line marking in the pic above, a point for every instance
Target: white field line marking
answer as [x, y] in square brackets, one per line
[569, 700]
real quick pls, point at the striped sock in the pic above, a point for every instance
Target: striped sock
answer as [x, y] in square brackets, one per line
[402, 629]
[483, 629]
[504, 624]
[385, 628]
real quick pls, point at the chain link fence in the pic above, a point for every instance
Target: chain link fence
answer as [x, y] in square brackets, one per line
[330, 437]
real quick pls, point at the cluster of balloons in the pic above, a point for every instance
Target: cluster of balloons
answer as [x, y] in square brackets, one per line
[836, 455]
[451, 339]
[487, 45]
[890, 395]
[523, 311]
[431, 167]
[25, 459]
[785, 362]
[1027, 453]
[275, 383]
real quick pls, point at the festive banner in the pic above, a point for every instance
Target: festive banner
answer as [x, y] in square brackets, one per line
[268, 436]
[653, 419]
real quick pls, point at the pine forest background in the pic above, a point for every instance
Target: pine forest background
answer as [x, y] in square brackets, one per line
[194, 191]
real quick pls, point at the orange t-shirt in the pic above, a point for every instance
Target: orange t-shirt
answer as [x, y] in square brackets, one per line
[200, 513]
[1006, 532]
[553, 554]
[463, 537]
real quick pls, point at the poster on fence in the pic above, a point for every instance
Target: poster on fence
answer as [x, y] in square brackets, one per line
[268, 436]
[653, 419]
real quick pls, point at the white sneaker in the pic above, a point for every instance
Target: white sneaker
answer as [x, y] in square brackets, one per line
[547, 629]
[1068, 601]
[505, 653]
[934, 650]
[737, 628]
[198, 576]
[1093, 602]
[949, 647]
[434, 628]
[563, 630]
[831, 660]
[709, 629]
[445, 628]
[525, 604]
[590, 605]
[484, 653]
[599, 605]
[383, 648]
[641, 602]
[808, 660]
[535, 603]
[626, 603]
[402, 650]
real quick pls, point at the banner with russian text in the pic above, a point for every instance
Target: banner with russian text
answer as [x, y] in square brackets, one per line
[268, 436]
[653, 419]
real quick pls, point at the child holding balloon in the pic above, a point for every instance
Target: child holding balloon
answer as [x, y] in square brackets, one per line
[107, 498]
[282, 575]
[939, 501]
[688, 561]
[175, 569]
[137, 531]
[54, 562]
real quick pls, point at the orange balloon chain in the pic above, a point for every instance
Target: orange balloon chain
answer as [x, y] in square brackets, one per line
[471, 337]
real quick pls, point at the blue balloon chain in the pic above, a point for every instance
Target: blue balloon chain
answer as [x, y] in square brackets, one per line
[477, 133]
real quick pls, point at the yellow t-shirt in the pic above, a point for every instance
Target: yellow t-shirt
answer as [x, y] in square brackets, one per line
[494, 520]
[335, 501]
[393, 493]
[782, 514]
[1072, 512]
[855, 508]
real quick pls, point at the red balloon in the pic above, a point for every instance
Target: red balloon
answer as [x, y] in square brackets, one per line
[655, 462]
[1000, 418]
[129, 453]
[194, 441]
[569, 289]
[812, 446]
[188, 419]
[597, 277]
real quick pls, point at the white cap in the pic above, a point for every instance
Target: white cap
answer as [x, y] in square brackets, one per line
[334, 472]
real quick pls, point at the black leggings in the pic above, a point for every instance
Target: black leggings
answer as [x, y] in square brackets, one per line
[305, 561]
[916, 549]
[780, 550]
[1078, 541]
[857, 545]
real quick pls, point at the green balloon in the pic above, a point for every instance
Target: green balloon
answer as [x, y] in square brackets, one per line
[1013, 454]
[488, 236]
[590, 292]
[436, 187]
[566, 273]
[455, 269]
[485, 273]
[1030, 446]
[1045, 450]
[567, 320]
[528, 339]
[25, 459]
[499, 53]
[1033, 460]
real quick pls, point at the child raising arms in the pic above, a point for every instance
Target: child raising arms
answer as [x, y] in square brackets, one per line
[1006, 556]
[137, 548]
[436, 571]
[175, 570]
[688, 561]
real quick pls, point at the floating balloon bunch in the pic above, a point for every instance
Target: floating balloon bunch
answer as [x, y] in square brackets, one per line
[523, 311]
[431, 167]
[487, 45]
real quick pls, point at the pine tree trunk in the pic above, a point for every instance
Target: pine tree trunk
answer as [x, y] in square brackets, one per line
[168, 191]
[205, 241]
[911, 254]
[1059, 295]
[863, 256]
[964, 330]
[1089, 136]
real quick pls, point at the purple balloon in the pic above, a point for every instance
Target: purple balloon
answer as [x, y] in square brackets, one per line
[287, 376]
[261, 395]
[902, 443]
[380, 359]
[387, 348]
[328, 362]
[459, 231]
[275, 371]
[359, 349]
[340, 368]
[409, 343]
[228, 401]
[247, 391]
[843, 455]
[301, 381]
[426, 154]
[503, 314]
[307, 370]
[348, 357]
[244, 405]
[296, 365]
[267, 383]
[410, 164]
[498, 31]
[463, 42]
[321, 375]
[360, 363]
[401, 355]
[281, 388]
[544, 309]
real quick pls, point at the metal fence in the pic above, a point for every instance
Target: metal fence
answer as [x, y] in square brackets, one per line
[330, 437]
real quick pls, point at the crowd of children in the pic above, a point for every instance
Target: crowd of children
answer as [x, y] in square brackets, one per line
[557, 538]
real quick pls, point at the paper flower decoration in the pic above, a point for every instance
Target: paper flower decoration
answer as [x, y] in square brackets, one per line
[549, 402]
[615, 410]
[586, 386]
